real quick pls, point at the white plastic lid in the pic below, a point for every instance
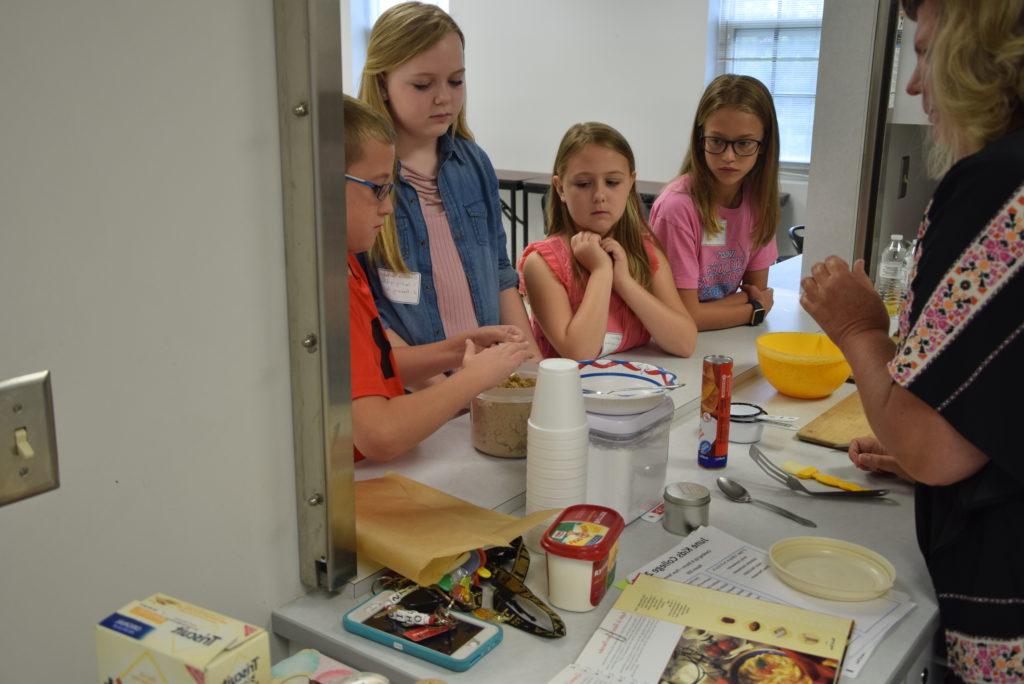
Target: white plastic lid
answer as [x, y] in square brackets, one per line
[831, 568]
[896, 236]
[622, 426]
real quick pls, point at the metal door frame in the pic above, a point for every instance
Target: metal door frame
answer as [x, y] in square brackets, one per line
[310, 110]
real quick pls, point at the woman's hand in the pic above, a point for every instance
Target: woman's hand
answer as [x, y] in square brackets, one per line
[586, 248]
[843, 301]
[492, 365]
[867, 453]
[765, 297]
[620, 262]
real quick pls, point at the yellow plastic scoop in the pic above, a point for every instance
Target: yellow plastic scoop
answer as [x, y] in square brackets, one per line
[811, 473]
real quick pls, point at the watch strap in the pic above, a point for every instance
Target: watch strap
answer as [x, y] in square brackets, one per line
[757, 315]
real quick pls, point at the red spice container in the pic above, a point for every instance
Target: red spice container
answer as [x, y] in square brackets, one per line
[715, 405]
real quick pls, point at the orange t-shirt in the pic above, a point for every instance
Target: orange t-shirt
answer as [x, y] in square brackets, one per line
[373, 368]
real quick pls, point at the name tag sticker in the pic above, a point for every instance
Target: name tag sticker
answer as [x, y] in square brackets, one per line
[611, 343]
[400, 288]
[715, 240]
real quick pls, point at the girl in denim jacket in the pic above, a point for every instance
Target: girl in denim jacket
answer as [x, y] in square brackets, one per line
[439, 266]
[600, 283]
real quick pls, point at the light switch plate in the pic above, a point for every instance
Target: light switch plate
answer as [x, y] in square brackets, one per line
[26, 403]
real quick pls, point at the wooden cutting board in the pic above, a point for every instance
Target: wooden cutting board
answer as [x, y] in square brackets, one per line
[837, 426]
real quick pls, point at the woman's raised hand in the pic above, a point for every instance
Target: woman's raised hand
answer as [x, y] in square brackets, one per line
[586, 247]
[842, 300]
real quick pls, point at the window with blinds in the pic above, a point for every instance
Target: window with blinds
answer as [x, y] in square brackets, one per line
[776, 42]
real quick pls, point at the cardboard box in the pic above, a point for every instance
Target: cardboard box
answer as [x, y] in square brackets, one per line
[162, 640]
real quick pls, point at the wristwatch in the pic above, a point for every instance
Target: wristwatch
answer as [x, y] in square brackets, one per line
[758, 316]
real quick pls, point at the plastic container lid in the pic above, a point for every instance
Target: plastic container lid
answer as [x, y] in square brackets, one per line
[687, 494]
[513, 395]
[831, 568]
[583, 532]
[619, 427]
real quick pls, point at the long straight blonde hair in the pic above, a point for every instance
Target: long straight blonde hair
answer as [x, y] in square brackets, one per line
[976, 75]
[746, 94]
[631, 229]
[399, 34]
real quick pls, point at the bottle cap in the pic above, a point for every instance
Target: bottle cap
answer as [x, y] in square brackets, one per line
[896, 236]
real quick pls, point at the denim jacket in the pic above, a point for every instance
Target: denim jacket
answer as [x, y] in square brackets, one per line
[469, 191]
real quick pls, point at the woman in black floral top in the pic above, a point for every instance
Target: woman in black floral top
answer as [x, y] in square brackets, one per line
[943, 402]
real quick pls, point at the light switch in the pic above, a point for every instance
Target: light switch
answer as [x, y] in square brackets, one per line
[21, 443]
[28, 438]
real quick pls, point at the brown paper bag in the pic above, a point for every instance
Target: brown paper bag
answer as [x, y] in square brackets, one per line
[420, 532]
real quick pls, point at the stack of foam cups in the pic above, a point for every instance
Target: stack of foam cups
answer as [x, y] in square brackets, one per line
[557, 441]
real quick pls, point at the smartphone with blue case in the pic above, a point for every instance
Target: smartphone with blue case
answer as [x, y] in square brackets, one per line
[458, 649]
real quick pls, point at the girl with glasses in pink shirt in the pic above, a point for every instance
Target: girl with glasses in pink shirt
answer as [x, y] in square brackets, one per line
[717, 220]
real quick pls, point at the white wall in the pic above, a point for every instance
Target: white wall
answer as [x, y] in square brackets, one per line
[535, 67]
[142, 262]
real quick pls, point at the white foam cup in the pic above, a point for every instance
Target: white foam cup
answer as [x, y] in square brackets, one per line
[541, 474]
[556, 486]
[558, 396]
[557, 436]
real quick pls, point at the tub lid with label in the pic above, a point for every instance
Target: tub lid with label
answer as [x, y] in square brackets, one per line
[687, 494]
[625, 426]
[583, 532]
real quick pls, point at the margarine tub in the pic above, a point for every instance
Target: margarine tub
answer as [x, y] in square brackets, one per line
[581, 546]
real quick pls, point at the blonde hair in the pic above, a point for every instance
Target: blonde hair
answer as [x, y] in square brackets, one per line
[746, 94]
[631, 229]
[399, 34]
[362, 124]
[976, 74]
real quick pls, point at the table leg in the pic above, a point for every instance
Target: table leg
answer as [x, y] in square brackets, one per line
[512, 241]
[526, 218]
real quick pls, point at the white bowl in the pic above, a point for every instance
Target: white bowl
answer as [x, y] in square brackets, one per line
[602, 375]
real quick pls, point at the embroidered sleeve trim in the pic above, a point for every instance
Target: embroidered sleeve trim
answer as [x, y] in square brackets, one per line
[985, 659]
[988, 263]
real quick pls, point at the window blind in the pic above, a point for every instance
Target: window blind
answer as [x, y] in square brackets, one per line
[776, 42]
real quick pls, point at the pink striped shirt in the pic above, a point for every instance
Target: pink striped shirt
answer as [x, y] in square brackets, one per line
[454, 302]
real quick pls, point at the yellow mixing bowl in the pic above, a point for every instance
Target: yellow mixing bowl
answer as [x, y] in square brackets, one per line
[801, 365]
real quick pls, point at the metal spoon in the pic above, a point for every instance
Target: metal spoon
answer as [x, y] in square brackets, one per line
[737, 492]
[647, 388]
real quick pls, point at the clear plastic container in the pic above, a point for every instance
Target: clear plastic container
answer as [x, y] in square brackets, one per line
[627, 459]
[498, 418]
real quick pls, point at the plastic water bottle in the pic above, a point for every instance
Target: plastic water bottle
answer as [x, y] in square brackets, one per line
[908, 263]
[891, 282]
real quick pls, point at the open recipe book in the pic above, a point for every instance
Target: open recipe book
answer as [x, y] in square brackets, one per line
[710, 568]
[664, 631]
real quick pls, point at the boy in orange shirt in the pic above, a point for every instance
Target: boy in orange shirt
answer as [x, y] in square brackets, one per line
[386, 422]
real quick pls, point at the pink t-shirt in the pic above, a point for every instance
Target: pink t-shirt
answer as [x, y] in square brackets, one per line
[713, 266]
[454, 302]
[624, 331]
